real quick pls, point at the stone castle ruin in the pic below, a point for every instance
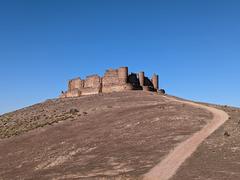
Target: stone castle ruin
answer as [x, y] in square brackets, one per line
[114, 80]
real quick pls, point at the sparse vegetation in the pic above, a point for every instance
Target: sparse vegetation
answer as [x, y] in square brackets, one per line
[36, 116]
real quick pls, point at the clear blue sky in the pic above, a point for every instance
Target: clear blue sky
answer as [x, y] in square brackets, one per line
[194, 45]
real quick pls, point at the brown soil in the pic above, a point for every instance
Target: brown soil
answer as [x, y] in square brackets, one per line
[171, 163]
[110, 136]
[218, 157]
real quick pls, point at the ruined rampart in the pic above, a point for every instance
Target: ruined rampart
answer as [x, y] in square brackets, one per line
[114, 80]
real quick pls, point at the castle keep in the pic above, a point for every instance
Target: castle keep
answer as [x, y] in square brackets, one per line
[114, 80]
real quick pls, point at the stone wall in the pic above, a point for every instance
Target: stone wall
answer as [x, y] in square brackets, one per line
[89, 91]
[117, 88]
[76, 83]
[93, 81]
[72, 93]
[110, 78]
[114, 80]
[123, 75]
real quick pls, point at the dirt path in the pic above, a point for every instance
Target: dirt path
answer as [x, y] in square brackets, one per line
[168, 166]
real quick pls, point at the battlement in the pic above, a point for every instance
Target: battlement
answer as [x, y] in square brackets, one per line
[114, 80]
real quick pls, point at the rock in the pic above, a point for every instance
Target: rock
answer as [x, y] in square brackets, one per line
[73, 111]
[162, 91]
[226, 133]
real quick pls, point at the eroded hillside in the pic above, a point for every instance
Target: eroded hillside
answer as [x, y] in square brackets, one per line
[117, 135]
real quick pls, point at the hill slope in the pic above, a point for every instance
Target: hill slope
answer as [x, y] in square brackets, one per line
[117, 135]
[218, 157]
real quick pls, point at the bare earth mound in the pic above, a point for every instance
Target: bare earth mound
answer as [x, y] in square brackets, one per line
[117, 135]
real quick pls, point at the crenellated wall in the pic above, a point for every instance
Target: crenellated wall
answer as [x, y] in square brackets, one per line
[76, 83]
[110, 78]
[114, 80]
[93, 81]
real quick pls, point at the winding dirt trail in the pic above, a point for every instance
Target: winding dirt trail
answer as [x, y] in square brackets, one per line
[170, 164]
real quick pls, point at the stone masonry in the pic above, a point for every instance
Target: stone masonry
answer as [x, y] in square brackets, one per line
[114, 80]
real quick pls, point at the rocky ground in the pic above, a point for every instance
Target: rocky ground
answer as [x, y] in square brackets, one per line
[218, 158]
[110, 136]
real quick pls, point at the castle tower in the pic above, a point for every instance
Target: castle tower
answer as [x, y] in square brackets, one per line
[70, 85]
[141, 78]
[75, 84]
[123, 75]
[155, 81]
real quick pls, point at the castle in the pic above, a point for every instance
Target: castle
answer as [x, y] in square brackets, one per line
[114, 80]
